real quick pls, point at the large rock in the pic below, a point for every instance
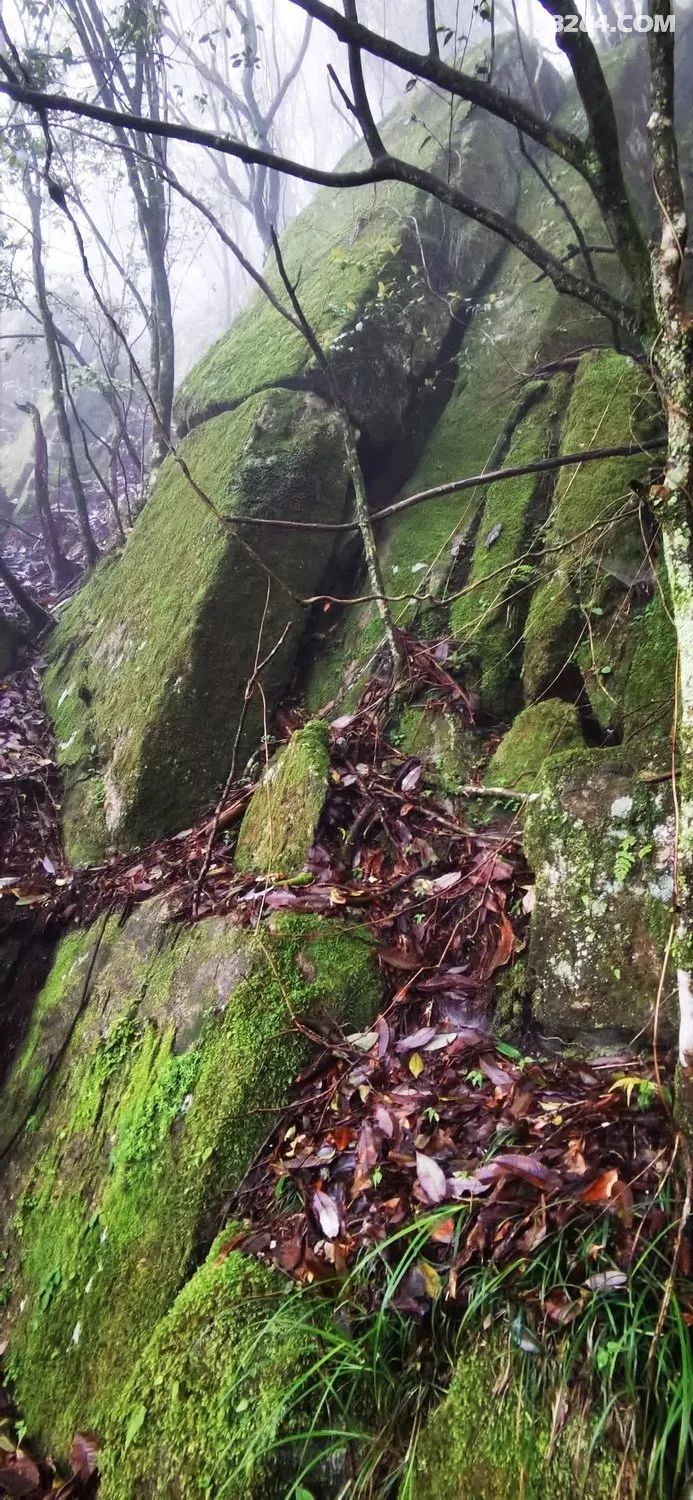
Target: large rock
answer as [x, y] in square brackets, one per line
[149, 664]
[519, 335]
[152, 1070]
[384, 270]
[217, 1389]
[601, 845]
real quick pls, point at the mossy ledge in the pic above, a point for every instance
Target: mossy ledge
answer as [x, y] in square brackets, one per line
[211, 1394]
[170, 1082]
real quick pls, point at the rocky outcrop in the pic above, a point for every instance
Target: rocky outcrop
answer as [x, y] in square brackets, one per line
[157, 1056]
[148, 668]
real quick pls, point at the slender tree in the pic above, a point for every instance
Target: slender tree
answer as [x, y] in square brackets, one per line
[32, 194]
[62, 570]
[127, 66]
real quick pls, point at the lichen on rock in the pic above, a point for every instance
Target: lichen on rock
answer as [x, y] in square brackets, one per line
[600, 843]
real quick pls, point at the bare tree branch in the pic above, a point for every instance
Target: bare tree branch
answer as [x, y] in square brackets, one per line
[390, 169]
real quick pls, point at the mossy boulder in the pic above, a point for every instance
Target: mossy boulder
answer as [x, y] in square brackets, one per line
[516, 329]
[171, 1066]
[380, 269]
[212, 1392]
[600, 842]
[541, 730]
[149, 664]
[464, 1454]
[280, 823]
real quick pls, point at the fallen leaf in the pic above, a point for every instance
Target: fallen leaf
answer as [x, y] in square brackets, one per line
[416, 1039]
[606, 1281]
[601, 1189]
[327, 1214]
[431, 1177]
[431, 1279]
[85, 1446]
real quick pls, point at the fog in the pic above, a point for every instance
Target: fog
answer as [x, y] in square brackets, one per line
[200, 43]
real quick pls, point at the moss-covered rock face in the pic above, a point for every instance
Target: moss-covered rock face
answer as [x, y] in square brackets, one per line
[171, 1065]
[148, 666]
[539, 731]
[464, 1455]
[211, 1392]
[594, 572]
[381, 270]
[601, 844]
[517, 329]
[279, 825]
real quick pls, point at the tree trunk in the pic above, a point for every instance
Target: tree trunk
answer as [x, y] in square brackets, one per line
[675, 360]
[91, 551]
[38, 617]
[62, 570]
[672, 354]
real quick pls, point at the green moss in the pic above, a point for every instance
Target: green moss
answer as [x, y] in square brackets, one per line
[151, 1123]
[648, 699]
[49, 1020]
[486, 619]
[440, 739]
[463, 1455]
[541, 730]
[511, 1001]
[579, 610]
[212, 1388]
[341, 671]
[280, 823]
[149, 664]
